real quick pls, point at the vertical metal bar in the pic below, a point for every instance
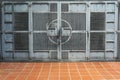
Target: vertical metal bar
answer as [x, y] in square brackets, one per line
[31, 54]
[58, 28]
[3, 34]
[88, 31]
[13, 22]
[116, 28]
[105, 29]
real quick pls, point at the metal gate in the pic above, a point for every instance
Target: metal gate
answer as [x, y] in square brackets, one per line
[66, 29]
[60, 30]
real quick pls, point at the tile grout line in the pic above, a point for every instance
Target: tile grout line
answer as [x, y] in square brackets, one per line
[96, 69]
[21, 72]
[9, 73]
[68, 70]
[106, 70]
[50, 71]
[40, 71]
[59, 71]
[88, 71]
[30, 71]
[114, 69]
[78, 70]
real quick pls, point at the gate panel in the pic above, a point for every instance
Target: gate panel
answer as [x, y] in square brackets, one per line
[41, 42]
[118, 45]
[77, 42]
[75, 15]
[97, 41]
[43, 14]
[97, 21]
[0, 34]
[40, 20]
[76, 20]
[103, 30]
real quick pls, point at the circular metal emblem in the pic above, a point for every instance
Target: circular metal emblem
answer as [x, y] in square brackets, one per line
[58, 33]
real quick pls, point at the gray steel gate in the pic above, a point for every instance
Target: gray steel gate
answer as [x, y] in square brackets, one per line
[60, 30]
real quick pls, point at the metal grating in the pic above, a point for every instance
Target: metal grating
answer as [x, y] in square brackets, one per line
[41, 42]
[119, 17]
[76, 20]
[21, 41]
[0, 33]
[54, 55]
[0, 19]
[77, 42]
[21, 21]
[97, 41]
[41, 19]
[118, 45]
[64, 55]
[53, 7]
[64, 7]
[97, 21]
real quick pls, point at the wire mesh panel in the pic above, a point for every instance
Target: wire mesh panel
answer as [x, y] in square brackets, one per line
[0, 45]
[40, 20]
[53, 7]
[119, 18]
[41, 42]
[97, 21]
[21, 41]
[76, 20]
[0, 32]
[118, 45]
[77, 42]
[64, 7]
[0, 19]
[21, 21]
[97, 41]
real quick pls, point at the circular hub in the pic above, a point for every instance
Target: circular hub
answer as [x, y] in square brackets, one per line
[58, 33]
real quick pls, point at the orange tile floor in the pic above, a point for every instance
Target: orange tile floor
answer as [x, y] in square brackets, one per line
[59, 70]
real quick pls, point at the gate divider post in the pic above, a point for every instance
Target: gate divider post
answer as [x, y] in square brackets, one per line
[58, 28]
[31, 54]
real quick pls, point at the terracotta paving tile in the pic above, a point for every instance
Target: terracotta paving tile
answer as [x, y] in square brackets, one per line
[65, 78]
[43, 78]
[53, 78]
[75, 78]
[86, 78]
[98, 77]
[60, 71]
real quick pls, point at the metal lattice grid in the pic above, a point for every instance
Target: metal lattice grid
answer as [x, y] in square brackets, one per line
[40, 20]
[21, 41]
[76, 20]
[97, 21]
[21, 21]
[77, 42]
[41, 42]
[97, 41]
